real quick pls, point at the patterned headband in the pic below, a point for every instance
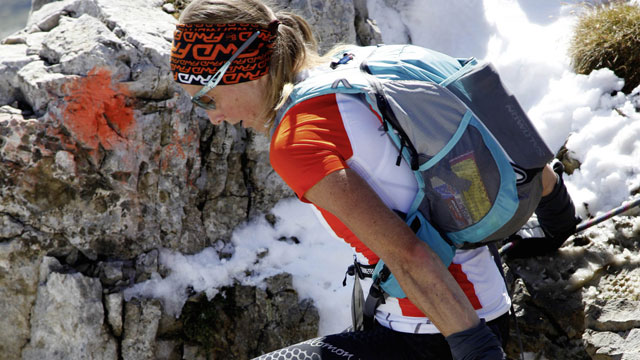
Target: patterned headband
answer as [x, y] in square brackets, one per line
[199, 50]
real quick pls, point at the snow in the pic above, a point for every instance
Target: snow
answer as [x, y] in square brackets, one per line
[527, 41]
[318, 264]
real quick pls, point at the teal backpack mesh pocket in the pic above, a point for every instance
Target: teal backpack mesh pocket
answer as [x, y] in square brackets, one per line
[467, 187]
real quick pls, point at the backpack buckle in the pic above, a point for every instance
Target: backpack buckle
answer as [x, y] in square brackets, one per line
[346, 57]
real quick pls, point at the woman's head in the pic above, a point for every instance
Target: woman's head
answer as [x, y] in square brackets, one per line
[292, 48]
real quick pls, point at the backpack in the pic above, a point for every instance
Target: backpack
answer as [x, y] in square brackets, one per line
[467, 140]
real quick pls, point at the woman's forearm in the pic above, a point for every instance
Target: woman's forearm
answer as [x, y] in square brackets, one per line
[419, 271]
[431, 287]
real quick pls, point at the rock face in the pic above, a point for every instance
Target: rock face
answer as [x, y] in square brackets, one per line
[581, 302]
[220, 326]
[103, 161]
[68, 317]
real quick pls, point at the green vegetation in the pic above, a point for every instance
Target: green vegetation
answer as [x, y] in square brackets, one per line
[608, 36]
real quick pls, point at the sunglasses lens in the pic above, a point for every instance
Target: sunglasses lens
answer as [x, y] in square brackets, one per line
[204, 102]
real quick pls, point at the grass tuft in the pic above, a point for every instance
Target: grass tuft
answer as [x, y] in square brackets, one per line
[608, 36]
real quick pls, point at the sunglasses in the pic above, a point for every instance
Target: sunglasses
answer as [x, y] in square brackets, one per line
[201, 98]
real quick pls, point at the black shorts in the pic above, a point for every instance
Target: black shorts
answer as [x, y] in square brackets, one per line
[379, 343]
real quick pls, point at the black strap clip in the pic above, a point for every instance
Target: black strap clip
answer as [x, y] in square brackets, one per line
[363, 271]
[374, 299]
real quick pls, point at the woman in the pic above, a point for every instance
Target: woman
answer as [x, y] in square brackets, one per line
[239, 60]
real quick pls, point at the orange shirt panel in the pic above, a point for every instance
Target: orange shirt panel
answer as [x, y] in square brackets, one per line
[310, 143]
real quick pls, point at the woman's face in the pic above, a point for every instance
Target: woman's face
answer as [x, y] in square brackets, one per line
[237, 103]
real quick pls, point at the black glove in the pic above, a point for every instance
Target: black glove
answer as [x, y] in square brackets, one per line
[556, 212]
[554, 222]
[478, 343]
[531, 246]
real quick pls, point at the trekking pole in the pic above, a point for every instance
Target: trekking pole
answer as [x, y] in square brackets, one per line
[609, 214]
[589, 223]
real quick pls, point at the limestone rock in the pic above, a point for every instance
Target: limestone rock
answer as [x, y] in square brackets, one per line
[168, 350]
[109, 150]
[609, 345]
[12, 58]
[141, 326]
[111, 272]
[169, 8]
[114, 305]
[67, 321]
[333, 20]
[146, 265]
[9, 228]
[581, 302]
[620, 314]
[367, 31]
[274, 316]
[192, 352]
[18, 286]
[37, 82]
[81, 44]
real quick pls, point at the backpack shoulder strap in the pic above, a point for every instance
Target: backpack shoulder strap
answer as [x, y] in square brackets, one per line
[345, 78]
[411, 62]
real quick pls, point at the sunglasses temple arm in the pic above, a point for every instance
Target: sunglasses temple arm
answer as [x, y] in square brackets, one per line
[245, 45]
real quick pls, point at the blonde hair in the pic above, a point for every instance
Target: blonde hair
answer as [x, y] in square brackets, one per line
[295, 46]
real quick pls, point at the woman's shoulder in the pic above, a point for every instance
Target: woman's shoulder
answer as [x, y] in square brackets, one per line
[319, 112]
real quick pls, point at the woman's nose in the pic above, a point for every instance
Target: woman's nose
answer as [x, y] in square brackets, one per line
[215, 117]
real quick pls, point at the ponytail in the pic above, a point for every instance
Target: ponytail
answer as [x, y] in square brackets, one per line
[294, 50]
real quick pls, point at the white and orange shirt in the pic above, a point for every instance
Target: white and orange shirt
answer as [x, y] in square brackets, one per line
[337, 131]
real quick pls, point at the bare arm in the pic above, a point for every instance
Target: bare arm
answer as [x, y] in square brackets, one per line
[420, 272]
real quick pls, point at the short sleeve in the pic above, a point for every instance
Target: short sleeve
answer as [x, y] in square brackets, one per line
[310, 143]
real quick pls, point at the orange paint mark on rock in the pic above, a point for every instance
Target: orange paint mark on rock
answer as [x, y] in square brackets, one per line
[96, 110]
[174, 152]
